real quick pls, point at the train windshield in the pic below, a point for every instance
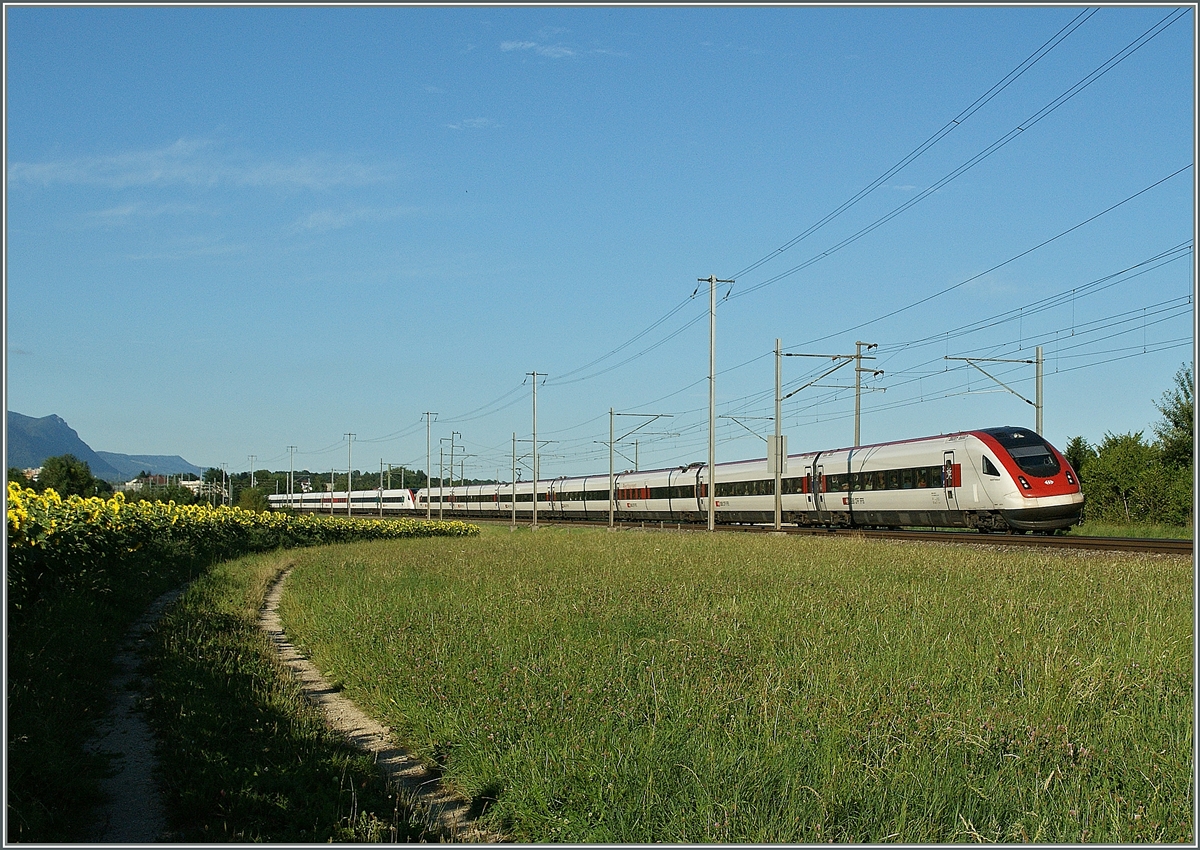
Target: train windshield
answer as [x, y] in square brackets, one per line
[1031, 453]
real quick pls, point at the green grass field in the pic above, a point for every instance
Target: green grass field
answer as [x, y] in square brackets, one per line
[1135, 530]
[650, 687]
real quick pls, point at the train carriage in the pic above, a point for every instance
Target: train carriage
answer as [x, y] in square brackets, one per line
[393, 502]
[992, 480]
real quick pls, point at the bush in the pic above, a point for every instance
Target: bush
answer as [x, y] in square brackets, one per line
[1131, 481]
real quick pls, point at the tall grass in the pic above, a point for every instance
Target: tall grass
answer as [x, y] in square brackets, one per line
[641, 687]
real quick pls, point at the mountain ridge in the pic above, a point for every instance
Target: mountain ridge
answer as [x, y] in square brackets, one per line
[31, 440]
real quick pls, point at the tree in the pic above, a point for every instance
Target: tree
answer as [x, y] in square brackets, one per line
[1177, 426]
[253, 499]
[1078, 453]
[17, 476]
[172, 493]
[69, 476]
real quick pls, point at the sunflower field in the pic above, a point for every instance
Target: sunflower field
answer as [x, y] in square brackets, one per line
[78, 544]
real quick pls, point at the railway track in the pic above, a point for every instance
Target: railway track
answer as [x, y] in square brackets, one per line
[1161, 546]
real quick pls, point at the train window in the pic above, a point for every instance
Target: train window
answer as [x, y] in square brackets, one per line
[1036, 460]
[989, 468]
[1029, 450]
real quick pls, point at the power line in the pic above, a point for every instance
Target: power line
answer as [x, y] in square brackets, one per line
[949, 127]
[955, 122]
[1012, 259]
[1050, 107]
[1046, 110]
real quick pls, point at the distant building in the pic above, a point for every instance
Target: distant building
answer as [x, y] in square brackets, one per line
[143, 481]
[202, 488]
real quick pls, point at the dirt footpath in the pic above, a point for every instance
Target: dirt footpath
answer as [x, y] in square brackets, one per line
[445, 813]
[134, 814]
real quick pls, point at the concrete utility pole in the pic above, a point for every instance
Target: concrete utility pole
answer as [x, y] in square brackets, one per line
[649, 417]
[712, 396]
[381, 487]
[428, 489]
[841, 360]
[779, 452]
[533, 526]
[514, 483]
[332, 484]
[441, 473]
[453, 434]
[291, 475]
[349, 470]
[252, 459]
[1037, 364]
[858, 370]
[1037, 418]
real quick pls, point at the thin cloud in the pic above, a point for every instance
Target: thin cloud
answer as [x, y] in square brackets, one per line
[200, 163]
[127, 212]
[189, 247]
[339, 219]
[473, 124]
[555, 51]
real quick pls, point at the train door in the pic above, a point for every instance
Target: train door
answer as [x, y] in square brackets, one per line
[808, 489]
[948, 481]
[817, 488]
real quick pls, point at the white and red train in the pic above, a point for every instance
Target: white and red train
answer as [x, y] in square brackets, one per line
[995, 479]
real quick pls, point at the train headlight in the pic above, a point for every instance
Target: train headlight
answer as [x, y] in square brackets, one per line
[1024, 483]
[1070, 478]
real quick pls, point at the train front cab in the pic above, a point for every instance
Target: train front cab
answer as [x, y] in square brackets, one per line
[1047, 496]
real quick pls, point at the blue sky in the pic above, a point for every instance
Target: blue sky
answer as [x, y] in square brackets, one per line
[231, 230]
